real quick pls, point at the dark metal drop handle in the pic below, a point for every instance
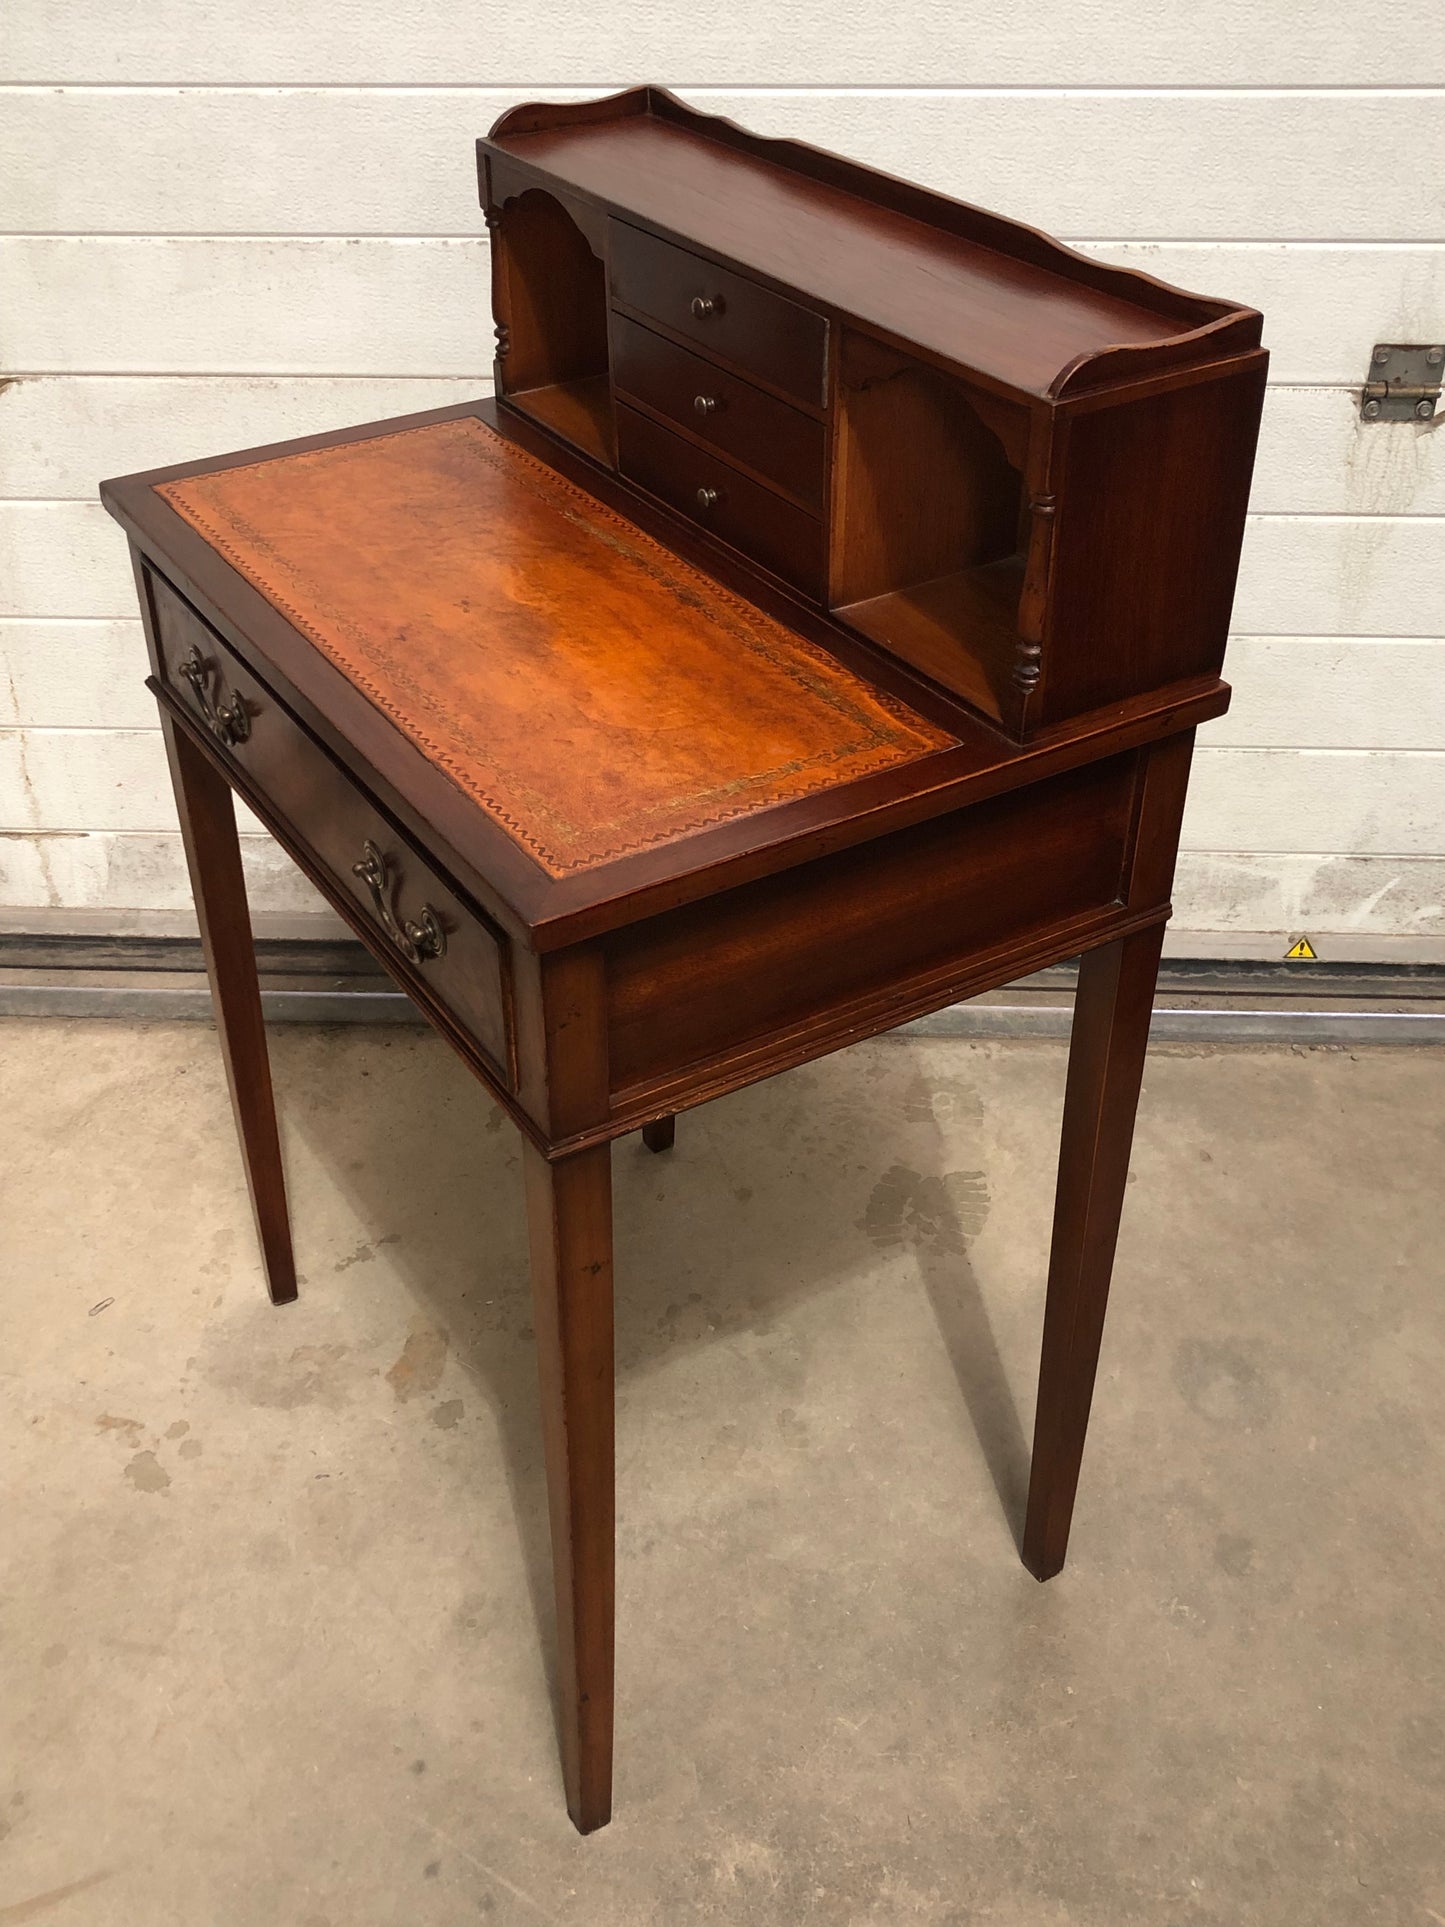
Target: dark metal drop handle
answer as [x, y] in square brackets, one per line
[227, 717]
[418, 942]
[704, 306]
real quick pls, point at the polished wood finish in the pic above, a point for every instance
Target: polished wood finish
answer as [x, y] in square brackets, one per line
[721, 499]
[569, 1216]
[775, 443]
[705, 982]
[1039, 464]
[302, 785]
[914, 266]
[642, 798]
[213, 857]
[728, 316]
[555, 349]
[928, 520]
[1112, 1008]
[1151, 495]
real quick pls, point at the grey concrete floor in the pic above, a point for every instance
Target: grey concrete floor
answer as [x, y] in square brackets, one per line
[275, 1628]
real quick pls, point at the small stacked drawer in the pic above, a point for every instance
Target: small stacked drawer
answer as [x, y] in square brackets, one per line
[720, 388]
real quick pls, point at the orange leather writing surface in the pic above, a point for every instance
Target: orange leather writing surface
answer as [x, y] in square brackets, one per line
[590, 690]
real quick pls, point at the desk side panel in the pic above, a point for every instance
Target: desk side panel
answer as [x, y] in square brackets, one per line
[1150, 500]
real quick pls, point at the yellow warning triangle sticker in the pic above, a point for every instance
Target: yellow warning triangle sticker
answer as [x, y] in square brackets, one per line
[1301, 952]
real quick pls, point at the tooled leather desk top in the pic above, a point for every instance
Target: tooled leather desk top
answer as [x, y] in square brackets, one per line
[592, 692]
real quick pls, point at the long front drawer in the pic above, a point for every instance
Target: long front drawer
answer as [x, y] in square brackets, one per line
[417, 922]
[762, 334]
[777, 442]
[721, 499]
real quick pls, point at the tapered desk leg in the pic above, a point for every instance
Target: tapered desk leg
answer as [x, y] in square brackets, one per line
[569, 1214]
[1106, 1065]
[213, 854]
[659, 1135]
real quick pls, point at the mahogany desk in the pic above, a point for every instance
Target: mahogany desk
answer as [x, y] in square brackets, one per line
[811, 634]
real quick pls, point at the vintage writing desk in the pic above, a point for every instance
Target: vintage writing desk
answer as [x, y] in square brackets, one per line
[811, 633]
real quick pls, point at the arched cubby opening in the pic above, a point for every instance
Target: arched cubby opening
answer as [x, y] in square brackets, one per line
[930, 518]
[551, 297]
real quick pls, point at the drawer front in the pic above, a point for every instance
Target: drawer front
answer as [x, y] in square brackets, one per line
[721, 499]
[775, 441]
[415, 918]
[759, 332]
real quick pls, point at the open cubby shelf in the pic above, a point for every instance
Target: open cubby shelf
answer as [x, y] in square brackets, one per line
[929, 514]
[553, 355]
[950, 626]
[579, 411]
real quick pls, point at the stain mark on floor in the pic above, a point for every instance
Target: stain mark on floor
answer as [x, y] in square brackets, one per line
[310, 1375]
[1221, 1382]
[951, 1100]
[132, 1427]
[927, 1211]
[146, 1474]
[419, 1368]
[365, 1251]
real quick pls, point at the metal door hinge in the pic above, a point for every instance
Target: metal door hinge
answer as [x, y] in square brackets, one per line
[1403, 384]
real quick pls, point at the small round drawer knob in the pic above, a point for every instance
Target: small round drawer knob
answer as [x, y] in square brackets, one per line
[704, 306]
[707, 498]
[704, 404]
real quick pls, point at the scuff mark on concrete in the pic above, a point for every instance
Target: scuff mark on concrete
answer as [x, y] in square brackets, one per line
[39, 1904]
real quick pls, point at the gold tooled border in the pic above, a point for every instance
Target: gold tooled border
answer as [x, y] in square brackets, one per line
[804, 662]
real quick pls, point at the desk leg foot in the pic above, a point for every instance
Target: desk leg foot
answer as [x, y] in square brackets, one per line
[1106, 1065]
[660, 1134]
[569, 1216]
[213, 854]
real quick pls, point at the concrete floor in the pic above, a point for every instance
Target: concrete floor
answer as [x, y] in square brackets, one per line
[274, 1633]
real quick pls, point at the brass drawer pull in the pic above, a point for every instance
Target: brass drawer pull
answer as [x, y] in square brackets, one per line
[704, 404]
[704, 306]
[417, 942]
[227, 717]
[707, 498]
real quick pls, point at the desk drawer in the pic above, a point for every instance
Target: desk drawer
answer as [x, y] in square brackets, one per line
[415, 922]
[721, 499]
[760, 333]
[777, 442]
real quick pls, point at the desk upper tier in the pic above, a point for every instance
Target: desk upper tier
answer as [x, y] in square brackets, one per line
[1018, 469]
